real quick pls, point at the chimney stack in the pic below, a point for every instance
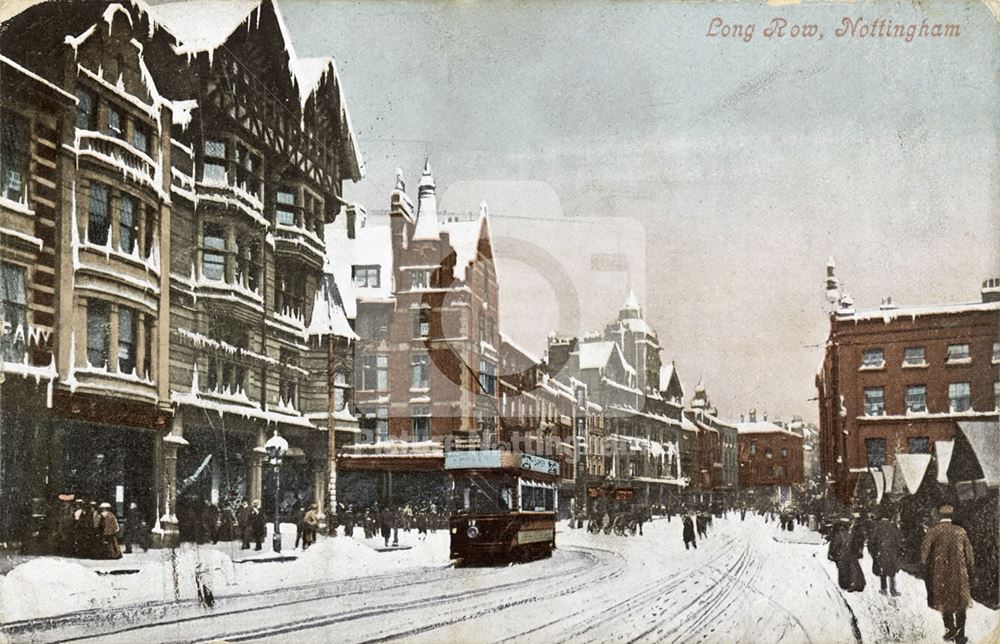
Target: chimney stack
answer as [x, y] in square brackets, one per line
[991, 290]
[753, 415]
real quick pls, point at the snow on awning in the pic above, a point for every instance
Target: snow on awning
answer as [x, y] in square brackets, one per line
[909, 472]
[943, 450]
[976, 452]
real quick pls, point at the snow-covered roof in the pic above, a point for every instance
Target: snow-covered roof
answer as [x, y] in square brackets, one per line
[464, 236]
[909, 472]
[943, 450]
[666, 373]
[763, 427]
[371, 246]
[595, 355]
[631, 302]
[509, 340]
[203, 25]
[328, 315]
[888, 315]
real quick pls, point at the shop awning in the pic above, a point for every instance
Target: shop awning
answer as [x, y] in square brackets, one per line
[909, 472]
[976, 453]
[943, 451]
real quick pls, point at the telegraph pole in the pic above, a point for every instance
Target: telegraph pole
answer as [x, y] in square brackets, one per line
[331, 424]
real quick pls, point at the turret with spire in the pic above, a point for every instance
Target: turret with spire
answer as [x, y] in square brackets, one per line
[630, 309]
[427, 215]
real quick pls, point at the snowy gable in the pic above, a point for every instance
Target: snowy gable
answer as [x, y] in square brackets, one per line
[465, 237]
[204, 25]
[370, 248]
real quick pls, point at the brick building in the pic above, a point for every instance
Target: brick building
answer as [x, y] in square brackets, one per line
[179, 200]
[427, 362]
[718, 451]
[896, 379]
[770, 458]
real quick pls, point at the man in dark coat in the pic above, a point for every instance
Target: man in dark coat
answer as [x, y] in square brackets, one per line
[133, 532]
[948, 561]
[107, 527]
[243, 517]
[689, 538]
[310, 524]
[884, 544]
[386, 521]
[258, 528]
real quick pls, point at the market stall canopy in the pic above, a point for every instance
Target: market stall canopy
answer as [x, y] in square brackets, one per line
[909, 472]
[943, 450]
[976, 453]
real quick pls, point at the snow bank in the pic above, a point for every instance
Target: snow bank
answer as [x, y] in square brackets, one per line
[48, 587]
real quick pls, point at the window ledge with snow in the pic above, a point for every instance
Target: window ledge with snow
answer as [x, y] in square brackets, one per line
[915, 365]
[17, 206]
[872, 367]
[958, 361]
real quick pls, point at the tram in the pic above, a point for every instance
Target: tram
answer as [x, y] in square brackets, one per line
[502, 505]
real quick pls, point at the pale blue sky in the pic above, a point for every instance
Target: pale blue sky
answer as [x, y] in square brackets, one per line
[743, 166]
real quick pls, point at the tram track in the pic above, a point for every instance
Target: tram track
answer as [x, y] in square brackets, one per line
[452, 599]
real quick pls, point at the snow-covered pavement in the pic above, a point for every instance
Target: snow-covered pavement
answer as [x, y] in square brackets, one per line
[745, 583]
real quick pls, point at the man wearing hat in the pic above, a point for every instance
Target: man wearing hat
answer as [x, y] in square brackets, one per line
[946, 555]
[108, 533]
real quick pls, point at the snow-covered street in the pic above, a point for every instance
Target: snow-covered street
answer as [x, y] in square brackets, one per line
[747, 582]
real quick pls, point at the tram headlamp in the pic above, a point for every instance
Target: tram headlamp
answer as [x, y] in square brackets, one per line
[472, 532]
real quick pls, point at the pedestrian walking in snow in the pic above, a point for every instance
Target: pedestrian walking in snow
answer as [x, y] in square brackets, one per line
[385, 524]
[885, 546]
[689, 538]
[134, 532]
[844, 553]
[422, 525]
[949, 564]
[300, 513]
[310, 524]
[107, 525]
[243, 520]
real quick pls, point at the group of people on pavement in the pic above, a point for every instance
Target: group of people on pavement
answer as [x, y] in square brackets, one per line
[946, 557]
[386, 521]
[88, 530]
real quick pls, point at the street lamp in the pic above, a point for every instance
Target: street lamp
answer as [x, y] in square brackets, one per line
[276, 446]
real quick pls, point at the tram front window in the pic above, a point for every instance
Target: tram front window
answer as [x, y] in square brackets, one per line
[482, 495]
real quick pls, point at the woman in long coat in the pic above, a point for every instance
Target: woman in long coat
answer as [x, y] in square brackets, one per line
[689, 538]
[949, 564]
[845, 552]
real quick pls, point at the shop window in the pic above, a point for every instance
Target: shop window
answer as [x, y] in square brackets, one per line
[14, 155]
[98, 323]
[420, 364]
[874, 401]
[420, 418]
[213, 259]
[959, 396]
[916, 398]
[86, 109]
[127, 227]
[126, 339]
[98, 219]
[213, 167]
[366, 276]
[14, 297]
[875, 451]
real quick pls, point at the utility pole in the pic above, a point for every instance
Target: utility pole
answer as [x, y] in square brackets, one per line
[331, 424]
